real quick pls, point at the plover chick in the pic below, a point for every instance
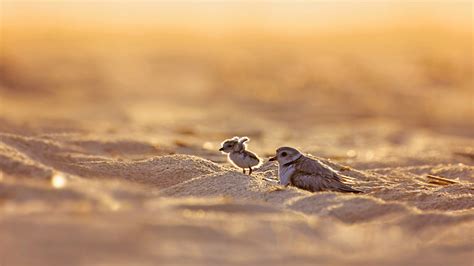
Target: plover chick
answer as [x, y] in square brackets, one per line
[310, 174]
[238, 155]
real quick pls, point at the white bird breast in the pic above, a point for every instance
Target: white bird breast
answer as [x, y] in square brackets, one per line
[285, 173]
[240, 160]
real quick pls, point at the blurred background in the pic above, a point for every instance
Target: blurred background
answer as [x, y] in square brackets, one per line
[94, 93]
[237, 64]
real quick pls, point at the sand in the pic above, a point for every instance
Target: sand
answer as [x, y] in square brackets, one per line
[138, 202]
[109, 144]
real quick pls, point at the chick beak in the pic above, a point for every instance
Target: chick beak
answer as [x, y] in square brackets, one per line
[272, 159]
[221, 149]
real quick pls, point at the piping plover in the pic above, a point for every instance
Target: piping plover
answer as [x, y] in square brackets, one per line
[310, 174]
[238, 155]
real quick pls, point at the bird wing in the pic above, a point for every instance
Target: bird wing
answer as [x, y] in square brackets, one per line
[316, 167]
[252, 155]
[313, 183]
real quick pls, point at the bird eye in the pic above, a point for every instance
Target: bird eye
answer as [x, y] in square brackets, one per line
[283, 154]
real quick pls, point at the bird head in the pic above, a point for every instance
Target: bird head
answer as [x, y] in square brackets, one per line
[234, 144]
[286, 155]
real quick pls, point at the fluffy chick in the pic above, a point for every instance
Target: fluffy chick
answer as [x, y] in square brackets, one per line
[238, 155]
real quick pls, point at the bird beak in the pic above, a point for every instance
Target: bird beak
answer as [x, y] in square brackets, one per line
[272, 159]
[221, 149]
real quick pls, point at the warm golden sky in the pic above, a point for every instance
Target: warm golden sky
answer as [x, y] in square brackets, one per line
[265, 14]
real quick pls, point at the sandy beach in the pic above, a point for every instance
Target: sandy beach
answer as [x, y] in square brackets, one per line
[109, 143]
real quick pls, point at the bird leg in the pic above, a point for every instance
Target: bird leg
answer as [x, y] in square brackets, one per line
[250, 170]
[243, 170]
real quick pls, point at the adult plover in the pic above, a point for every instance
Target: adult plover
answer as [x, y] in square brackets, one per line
[310, 174]
[238, 155]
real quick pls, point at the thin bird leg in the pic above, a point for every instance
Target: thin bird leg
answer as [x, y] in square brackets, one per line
[250, 170]
[243, 170]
